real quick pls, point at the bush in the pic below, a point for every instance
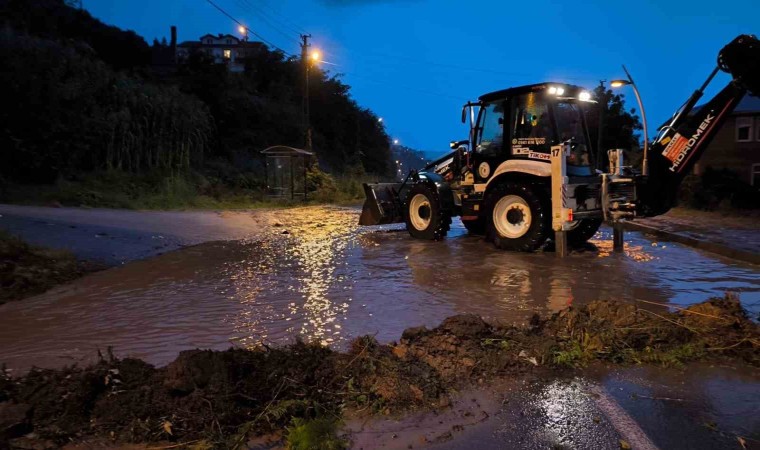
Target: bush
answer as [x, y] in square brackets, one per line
[718, 189]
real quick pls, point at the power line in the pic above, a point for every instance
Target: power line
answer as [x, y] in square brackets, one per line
[229, 16]
[274, 16]
[287, 35]
[399, 86]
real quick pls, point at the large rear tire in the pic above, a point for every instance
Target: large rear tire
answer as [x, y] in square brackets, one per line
[584, 231]
[518, 216]
[424, 215]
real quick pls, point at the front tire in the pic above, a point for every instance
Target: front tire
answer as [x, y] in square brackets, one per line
[518, 216]
[424, 215]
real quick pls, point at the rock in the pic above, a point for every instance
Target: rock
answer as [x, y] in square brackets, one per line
[14, 420]
[400, 351]
[411, 333]
[195, 369]
[465, 325]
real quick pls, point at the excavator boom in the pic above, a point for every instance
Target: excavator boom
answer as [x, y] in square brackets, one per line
[682, 141]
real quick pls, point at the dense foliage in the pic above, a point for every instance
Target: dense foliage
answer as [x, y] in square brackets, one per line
[81, 96]
[620, 126]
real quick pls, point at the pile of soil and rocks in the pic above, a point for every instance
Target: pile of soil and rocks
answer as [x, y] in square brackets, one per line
[221, 398]
[28, 270]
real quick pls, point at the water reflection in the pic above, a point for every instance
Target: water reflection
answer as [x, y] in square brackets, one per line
[330, 281]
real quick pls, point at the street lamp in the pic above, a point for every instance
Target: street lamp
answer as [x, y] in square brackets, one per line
[313, 59]
[629, 81]
[395, 142]
[244, 31]
[380, 119]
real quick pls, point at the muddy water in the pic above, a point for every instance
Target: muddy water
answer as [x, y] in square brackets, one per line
[320, 276]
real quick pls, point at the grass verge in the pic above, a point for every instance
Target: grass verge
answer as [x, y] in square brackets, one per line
[27, 270]
[162, 191]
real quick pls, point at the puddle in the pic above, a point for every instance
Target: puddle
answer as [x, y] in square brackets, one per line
[649, 408]
[322, 277]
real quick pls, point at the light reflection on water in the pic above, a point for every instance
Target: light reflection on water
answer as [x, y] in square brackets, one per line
[328, 280]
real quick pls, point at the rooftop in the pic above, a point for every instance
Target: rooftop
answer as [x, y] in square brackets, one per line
[749, 104]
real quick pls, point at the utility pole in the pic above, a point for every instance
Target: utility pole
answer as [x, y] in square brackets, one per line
[600, 152]
[306, 68]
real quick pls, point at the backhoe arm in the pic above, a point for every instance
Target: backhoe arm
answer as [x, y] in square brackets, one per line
[681, 142]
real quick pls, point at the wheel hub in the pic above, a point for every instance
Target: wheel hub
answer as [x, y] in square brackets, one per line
[515, 216]
[420, 212]
[512, 217]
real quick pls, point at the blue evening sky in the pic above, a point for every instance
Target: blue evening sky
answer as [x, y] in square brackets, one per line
[415, 62]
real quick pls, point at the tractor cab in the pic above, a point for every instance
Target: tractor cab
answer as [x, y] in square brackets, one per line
[523, 123]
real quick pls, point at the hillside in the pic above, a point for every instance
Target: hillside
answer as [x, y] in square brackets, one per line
[81, 100]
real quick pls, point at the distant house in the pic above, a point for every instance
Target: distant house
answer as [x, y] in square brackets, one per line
[223, 48]
[737, 145]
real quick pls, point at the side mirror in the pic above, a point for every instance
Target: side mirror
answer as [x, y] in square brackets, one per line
[456, 144]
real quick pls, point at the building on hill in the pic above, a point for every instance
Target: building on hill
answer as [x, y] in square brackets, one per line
[736, 146]
[222, 48]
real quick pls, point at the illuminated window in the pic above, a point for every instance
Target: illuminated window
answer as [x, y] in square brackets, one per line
[743, 129]
[227, 54]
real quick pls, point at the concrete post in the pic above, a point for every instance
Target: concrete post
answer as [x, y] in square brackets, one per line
[560, 213]
[618, 239]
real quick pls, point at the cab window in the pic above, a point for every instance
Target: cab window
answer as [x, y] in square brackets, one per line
[491, 130]
[532, 128]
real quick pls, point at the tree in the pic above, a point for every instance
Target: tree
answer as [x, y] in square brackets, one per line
[620, 126]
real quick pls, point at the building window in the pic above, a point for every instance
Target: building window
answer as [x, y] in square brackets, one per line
[227, 54]
[229, 41]
[755, 175]
[743, 129]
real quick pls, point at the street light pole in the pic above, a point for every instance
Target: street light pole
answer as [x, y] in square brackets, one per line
[629, 81]
[600, 135]
[306, 69]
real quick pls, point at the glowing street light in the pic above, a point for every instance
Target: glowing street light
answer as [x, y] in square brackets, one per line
[379, 119]
[315, 56]
[395, 141]
[629, 81]
[244, 31]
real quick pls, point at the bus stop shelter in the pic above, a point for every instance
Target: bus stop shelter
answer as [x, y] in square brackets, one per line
[286, 171]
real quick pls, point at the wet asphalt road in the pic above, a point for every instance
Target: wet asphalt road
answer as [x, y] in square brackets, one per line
[114, 237]
[268, 276]
[313, 272]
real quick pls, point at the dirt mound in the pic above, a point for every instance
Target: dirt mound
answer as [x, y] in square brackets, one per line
[220, 398]
[26, 270]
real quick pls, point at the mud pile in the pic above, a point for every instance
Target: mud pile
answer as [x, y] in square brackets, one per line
[221, 398]
[27, 270]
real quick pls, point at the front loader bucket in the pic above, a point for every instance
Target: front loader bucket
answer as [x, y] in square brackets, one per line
[382, 205]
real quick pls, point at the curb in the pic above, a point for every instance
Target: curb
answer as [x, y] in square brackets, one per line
[720, 249]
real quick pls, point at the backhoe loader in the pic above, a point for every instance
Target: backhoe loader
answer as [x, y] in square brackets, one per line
[528, 166]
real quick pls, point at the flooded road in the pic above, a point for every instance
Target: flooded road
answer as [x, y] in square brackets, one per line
[314, 273]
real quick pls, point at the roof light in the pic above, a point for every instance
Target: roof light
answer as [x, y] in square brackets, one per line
[560, 91]
[552, 90]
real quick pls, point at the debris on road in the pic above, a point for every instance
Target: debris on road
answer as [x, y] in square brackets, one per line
[222, 398]
[27, 270]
